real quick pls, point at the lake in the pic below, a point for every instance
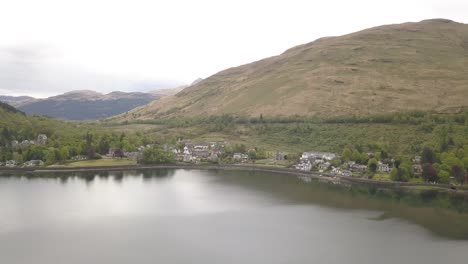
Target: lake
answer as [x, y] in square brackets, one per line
[214, 216]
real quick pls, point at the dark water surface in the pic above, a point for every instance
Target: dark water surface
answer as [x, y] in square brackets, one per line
[195, 216]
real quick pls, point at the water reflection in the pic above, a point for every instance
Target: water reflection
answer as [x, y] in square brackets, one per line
[151, 216]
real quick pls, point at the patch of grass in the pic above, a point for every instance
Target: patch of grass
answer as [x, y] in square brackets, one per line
[382, 177]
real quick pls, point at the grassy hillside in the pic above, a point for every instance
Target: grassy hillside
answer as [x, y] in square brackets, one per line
[394, 68]
[397, 133]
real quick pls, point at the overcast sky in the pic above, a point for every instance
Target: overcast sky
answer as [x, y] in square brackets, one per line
[53, 46]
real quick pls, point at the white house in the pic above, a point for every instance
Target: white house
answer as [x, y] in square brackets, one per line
[11, 163]
[382, 167]
[314, 155]
[41, 139]
[34, 163]
[324, 166]
[304, 166]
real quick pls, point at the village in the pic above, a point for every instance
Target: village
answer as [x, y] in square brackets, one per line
[16, 145]
[326, 162]
[188, 151]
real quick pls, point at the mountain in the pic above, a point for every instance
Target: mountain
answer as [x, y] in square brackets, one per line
[15, 100]
[392, 68]
[85, 104]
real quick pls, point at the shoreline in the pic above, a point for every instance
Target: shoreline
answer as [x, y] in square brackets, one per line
[250, 167]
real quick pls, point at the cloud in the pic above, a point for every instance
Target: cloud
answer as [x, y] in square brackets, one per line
[40, 71]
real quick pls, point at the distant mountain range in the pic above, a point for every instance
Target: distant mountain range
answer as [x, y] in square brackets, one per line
[85, 104]
[419, 66]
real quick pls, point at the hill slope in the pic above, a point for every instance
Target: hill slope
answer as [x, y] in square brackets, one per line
[85, 105]
[404, 67]
[15, 100]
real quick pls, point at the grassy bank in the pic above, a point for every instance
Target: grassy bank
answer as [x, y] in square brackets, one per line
[96, 163]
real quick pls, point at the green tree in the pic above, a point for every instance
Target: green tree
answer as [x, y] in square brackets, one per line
[50, 157]
[444, 177]
[157, 155]
[356, 156]
[399, 174]
[465, 162]
[252, 155]
[64, 153]
[364, 158]
[372, 165]
[17, 157]
[458, 173]
[347, 154]
[428, 156]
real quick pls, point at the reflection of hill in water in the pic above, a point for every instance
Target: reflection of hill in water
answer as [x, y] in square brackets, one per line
[118, 176]
[443, 213]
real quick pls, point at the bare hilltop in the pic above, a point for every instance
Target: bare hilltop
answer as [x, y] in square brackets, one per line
[419, 66]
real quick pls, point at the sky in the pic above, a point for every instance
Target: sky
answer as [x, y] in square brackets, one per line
[49, 47]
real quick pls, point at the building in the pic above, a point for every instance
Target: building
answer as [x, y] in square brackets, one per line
[134, 155]
[341, 172]
[314, 155]
[213, 157]
[14, 143]
[383, 167]
[279, 156]
[34, 163]
[41, 139]
[115, 153]
[79, 157]
[358, 167]
[26, 143]
[324, 166]
[240, 157]
[304, 166]
[11, 163]
[417, 170]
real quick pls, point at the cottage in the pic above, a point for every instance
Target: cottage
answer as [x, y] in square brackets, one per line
[25, 143]
[115, 153]
[346, 173]
[34, 163]
[79, 157]
[279, 156]
[314, 155]
[14, 144]
[11, 163]
[200, 151]
[201, 147]
[324, 166]
[133, 155]
[358, 167]
[382, 167]
[417, 170]
[213, 158]
[187, 157]
[41, 139]
[335, 171]
[240, 157]
[304, 166]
